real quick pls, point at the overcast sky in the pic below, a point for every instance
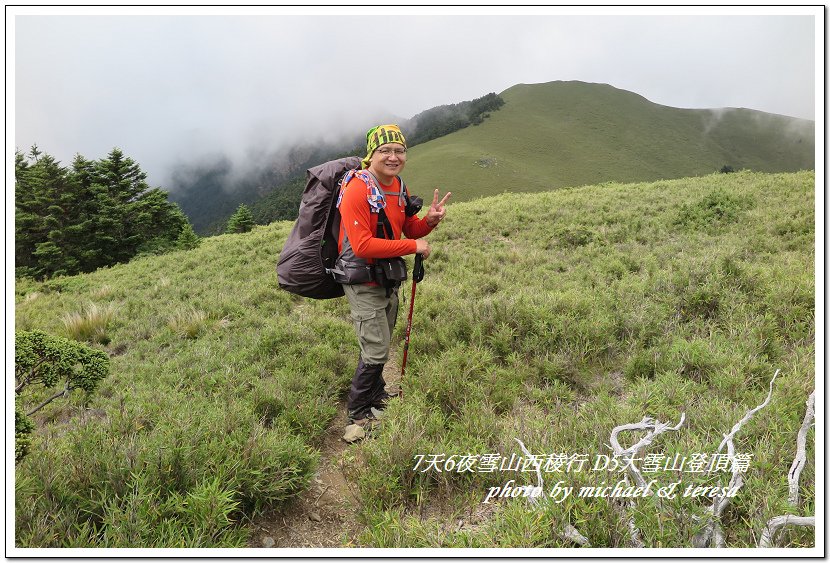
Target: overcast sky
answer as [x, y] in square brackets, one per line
[167, 89]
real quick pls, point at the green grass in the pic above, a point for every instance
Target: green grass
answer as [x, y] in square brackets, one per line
[548, 317]
[215, 373]
[563, 134]
[90, 323]
[554, 317]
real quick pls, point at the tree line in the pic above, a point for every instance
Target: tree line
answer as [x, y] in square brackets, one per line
[283, 202]
[96, 213]
[92, 214]
[446, 119]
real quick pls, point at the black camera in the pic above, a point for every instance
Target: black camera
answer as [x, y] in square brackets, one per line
[413, 205]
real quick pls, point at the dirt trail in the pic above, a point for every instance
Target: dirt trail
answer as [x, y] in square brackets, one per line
[325, 515]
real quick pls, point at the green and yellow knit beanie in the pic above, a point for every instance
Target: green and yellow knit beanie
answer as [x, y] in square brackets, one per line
[380, 135]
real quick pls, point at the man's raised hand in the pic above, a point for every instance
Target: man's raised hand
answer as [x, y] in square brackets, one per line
[437, 210]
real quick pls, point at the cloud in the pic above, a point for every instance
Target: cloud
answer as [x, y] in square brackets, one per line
[174, 89]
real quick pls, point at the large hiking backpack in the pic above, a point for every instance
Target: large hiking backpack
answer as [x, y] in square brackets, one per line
[311, 248]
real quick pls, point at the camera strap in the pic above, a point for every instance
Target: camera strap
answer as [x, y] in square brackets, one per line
[384, 226]
[385, 232]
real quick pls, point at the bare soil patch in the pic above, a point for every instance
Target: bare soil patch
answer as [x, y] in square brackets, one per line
[326, 514]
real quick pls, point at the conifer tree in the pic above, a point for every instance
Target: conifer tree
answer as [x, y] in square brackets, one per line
[93, 214]
[120, 183]
[188, 239]
[43, 206]
[84, 230]
[241, 221]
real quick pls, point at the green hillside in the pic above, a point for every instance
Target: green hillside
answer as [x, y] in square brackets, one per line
[549, 317]
[560, 134]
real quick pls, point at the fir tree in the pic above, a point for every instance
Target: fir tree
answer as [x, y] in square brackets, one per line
[119, 183]
[94, 214]
[241, 221]
[188, 239]
[43, 207]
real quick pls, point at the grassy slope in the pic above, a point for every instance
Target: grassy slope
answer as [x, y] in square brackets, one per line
[549, 317]
[554, 317]
[572, 133]
[241, 403]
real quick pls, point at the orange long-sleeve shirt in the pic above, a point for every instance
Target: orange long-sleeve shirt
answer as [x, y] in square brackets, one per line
[360, 224]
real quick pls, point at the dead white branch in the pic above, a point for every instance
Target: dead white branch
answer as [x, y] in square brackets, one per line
[570, 533]
[712, 534]
[540, 482]
[774, 526]
[633, 530]
[800, 460]
[654, 428]
[749, 415]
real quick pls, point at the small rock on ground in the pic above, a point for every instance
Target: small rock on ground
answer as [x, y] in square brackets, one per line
[354, 433]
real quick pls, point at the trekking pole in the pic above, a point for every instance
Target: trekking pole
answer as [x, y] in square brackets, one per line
[417, 275]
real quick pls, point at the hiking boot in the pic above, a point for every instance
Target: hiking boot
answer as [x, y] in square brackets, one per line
[382, 400]
[363, 417]
[366, 384]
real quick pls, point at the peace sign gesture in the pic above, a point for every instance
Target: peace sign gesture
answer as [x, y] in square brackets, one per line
[437, 210]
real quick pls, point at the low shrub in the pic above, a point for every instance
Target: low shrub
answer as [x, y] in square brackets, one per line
[42, 363]
[714, 211]
[23, 427]
[574, 236]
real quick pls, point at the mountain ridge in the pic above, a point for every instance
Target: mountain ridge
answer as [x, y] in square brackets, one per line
[589, 133]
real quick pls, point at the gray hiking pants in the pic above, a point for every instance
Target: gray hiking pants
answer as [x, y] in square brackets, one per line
[374, 316]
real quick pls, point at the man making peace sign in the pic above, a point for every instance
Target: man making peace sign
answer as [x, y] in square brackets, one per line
[375, 210]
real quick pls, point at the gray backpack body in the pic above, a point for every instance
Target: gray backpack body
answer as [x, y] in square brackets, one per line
[310, 250]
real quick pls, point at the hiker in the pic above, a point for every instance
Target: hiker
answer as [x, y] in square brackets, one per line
[375, 209]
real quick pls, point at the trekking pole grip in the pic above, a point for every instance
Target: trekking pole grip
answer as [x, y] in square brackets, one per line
[418, 270]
